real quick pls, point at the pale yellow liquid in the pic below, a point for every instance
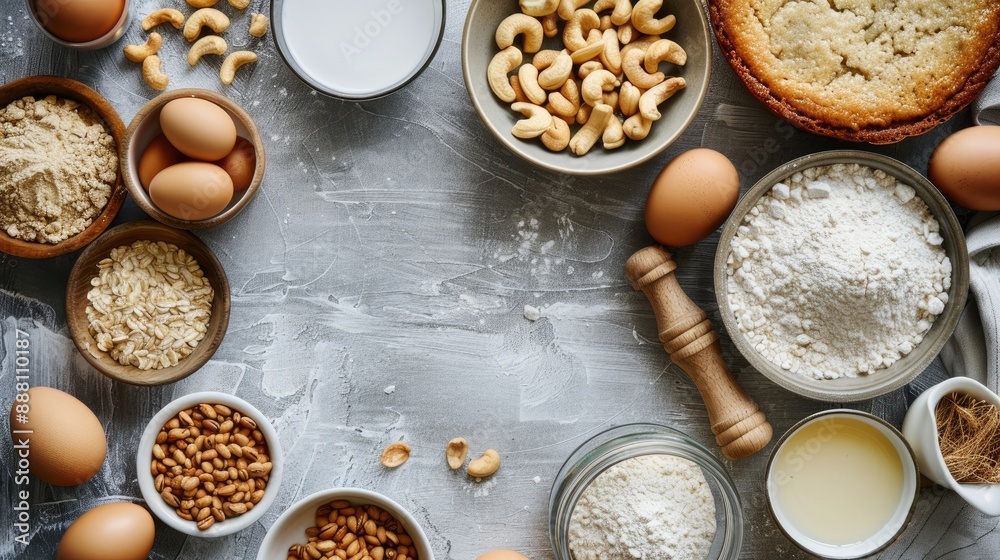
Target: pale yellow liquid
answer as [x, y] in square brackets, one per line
[838, 480]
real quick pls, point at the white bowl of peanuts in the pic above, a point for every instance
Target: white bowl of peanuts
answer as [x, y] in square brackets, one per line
[209, 464]
[587, 87]
[347, 524]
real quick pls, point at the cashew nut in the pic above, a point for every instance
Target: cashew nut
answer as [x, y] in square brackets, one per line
[544, 59]
[632, 65]
[527, 77]
[502, 64]
[610, 98]
[644, 18]
[614, 134]
[152, 74]
[553, 77]
[232, 63]
[628, 99]
[583, 115]
[611, 56]
[586, 137]
[550, 24]
[595, 84]
[258, 25]
[578, 27]
[539, 8]
[622, 10]
[642, 43]
[210, 17]
[166, 15]
[209, 44]
[239, 4]
[568, 7]
[658, 94]
[664, 50]
[590, 51]
[395, 454]
[515, 84]
[627, 32]
[587, 67]
[138, 53]
[637, 127]
[566, 101]
[456, 452]
[606, 23]
[539, 120]
[557, 138]
[202, 3]
[517, 24]
[486, 465]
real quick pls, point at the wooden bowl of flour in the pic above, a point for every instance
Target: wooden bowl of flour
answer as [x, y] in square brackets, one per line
[40, 87]
[899, 373]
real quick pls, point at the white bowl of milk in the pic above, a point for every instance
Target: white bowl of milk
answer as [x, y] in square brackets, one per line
[357, 50]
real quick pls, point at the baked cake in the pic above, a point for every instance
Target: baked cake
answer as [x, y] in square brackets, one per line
[862, 70]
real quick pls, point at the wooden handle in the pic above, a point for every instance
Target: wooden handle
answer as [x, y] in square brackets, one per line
[688, 337]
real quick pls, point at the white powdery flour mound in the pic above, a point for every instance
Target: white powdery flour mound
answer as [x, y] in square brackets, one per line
[837, 272]
[653, 507]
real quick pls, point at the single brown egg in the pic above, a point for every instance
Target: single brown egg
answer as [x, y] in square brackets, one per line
[966, 168]
[158, 155]
[198, 128]
[691, 197]
[240, 164]
[115, 531]
[79, 21]
[502, 555]
[193, 190]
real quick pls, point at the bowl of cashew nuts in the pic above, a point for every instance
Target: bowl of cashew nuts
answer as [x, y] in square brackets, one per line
[587, 87]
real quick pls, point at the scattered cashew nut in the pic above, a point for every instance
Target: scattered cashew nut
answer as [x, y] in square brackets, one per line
[664, 50]
[578, 27]
[557, 138]
[486, 465]
[209, 44]
[627, 32]
[537, 122]
[152, 74]
[210, 17]
[518, 24]
[568, 7]
[456, 452]
[614, 134]
[637, 127]
[232, 63]
[611, 56]
[644, 18]
[632, 66]
[202, 3]
[583, 115]
[658, 94]
[258, 25]
[566, 101]
[395, 454]
[595, 84]
[539, 8]
[550, 25]
[138, 53]
[590, 51]
[239, 4]
[628, 99]
[553, 77]
[544, 59]
[587, 67]
[622, 12]
[527, 77]
[502, 64]
[165, 15]
[586, 137]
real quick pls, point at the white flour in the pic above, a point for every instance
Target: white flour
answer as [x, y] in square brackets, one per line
[838, 272]
[654, 507]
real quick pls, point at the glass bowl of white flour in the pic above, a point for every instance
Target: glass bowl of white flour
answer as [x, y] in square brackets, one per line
[644, 491]
[840, 275]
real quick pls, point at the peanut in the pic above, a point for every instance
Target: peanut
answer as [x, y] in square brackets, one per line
[354, 532]
[395, 454]
[456, 452]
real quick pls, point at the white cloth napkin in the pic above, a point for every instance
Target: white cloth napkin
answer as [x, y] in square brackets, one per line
[986, 108]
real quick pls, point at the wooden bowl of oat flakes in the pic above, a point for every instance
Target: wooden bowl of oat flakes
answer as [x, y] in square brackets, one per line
[60, 186]
[147, 304]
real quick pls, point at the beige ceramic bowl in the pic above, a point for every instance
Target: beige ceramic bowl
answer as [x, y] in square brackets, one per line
[904, 370]
[479, 46]
[86, 268]
[146, 126]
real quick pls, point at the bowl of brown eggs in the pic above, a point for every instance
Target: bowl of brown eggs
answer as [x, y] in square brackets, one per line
[192, 159]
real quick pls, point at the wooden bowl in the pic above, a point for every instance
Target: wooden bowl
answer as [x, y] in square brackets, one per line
[146, 126]
[86, 268]
[41, 86]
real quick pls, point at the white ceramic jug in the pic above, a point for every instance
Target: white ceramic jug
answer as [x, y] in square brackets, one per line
[920, 429]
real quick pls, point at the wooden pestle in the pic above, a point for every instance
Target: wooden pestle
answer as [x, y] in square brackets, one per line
[688, 337]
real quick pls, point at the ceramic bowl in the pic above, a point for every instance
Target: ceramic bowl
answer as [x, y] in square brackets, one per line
[920, 429]
[290, 528]
[41, 11]
[86, 268]
[146, 126]
[41, 86]
[144, 456]
[899, 373]
[479, 46]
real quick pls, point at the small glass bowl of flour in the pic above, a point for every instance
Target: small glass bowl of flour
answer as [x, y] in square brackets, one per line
[646, 492]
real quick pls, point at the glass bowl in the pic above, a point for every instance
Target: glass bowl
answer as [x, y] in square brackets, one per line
[634, 440]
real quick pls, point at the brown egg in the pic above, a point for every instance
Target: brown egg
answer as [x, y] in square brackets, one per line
[158, 155]
[691, 197]
[198, 128]
[966, 167]
[240, 163]
[116, 531]
[502, 555]
[79, 21]
[66, 441]
[193, 190]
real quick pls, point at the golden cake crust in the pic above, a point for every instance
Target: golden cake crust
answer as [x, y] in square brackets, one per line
[861, 70]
